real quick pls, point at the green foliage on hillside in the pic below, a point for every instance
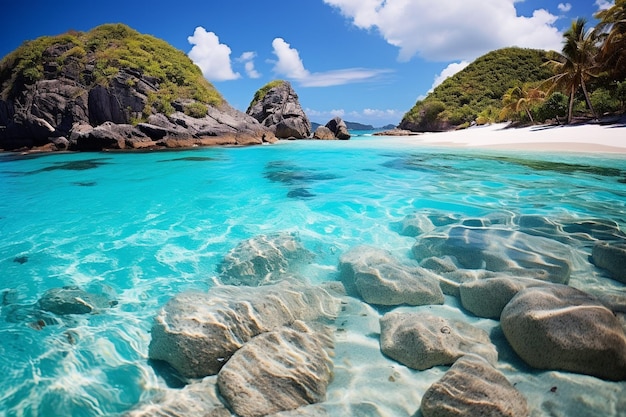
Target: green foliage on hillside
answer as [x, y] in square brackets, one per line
[101, 53]
[476, 92]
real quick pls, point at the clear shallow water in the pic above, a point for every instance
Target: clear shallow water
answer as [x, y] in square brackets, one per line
[141, 227]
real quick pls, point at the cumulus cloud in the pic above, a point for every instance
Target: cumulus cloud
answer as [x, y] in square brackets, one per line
[450, 30]
[247, 58]
[447, 72]
[604, 4]
[211, 56]
[564, 7]
[290, 65]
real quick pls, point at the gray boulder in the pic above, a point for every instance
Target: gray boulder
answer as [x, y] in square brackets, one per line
[473, 387]
[378, 278]
[421, 341]
[277, 107]
[73, 300]
[323, 133]
[500, 250]
[276, 371]
[197, 333]
[612, 257]
[488, 297]
[263, 259]
[339, 128]
[562, 328]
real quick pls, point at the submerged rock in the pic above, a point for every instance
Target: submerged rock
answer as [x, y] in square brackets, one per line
[276, 371]
[195, 399]
[472, 387]
[488, 297]
[612, 257]
[500, 250]
[378, 278]
[421, 341]
[263, 259]
[562, 328]
[197, 333]
[72, 300]
[414, 225]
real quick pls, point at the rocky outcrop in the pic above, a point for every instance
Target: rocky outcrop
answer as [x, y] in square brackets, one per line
[66, 101]
[378, 278]
[421, 341]
[263, 259]
[197, 333]
[336, 128]
[562, 328]
[277, 107]
[276, 371]
[472, 387]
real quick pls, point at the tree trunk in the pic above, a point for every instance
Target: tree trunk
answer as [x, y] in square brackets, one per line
[530, 116]
[593, 112]
[571, 106]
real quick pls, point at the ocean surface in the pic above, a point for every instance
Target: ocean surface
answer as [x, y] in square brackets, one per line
[137, 228]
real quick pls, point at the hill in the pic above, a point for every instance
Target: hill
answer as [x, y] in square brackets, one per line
[62, 90]
[477, 90]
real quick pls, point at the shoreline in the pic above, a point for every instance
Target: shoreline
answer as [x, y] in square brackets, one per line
[583, 138]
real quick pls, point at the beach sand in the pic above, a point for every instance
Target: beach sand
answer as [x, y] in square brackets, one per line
[593, 138]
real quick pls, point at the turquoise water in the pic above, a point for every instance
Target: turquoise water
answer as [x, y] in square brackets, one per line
[138, 228]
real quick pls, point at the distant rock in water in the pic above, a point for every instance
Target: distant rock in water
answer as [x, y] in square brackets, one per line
[335, 129]
[73, 91]
[277, 107]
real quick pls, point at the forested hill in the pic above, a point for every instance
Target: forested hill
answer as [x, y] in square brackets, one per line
[477, 90]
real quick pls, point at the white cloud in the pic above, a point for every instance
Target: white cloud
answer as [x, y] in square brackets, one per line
[248, 61]
[447, 72]
[448, 30]
[564, 7]
[604, 4]
[289, 62]
[211, 56]
[290, 65]
[375, 117]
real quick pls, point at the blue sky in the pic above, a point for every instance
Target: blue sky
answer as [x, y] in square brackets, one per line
[366, 61]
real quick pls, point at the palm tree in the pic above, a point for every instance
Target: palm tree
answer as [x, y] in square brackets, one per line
[518, 99]
[576, 63]
[612, 29]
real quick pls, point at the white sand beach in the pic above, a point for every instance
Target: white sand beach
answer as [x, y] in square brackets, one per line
[610, 138]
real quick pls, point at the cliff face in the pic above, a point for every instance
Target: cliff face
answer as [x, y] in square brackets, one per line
[277, 107]
[113, 87]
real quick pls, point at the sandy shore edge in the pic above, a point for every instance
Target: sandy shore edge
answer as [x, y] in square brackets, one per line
[589, 138]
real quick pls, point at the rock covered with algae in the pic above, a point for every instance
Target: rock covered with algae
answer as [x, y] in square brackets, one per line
[196, 333]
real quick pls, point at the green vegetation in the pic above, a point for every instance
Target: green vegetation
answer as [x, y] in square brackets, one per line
[101, 53]
[261, 92]
[478, 89]
[586, 78]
